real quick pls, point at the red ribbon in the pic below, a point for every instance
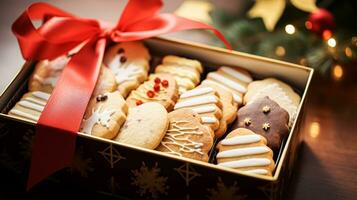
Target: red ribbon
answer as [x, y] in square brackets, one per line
[60, 120]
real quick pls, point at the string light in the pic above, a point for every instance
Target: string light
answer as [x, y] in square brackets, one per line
[308, 25]
[331, 42]
[348, 52]
[280, 51]
[289, 29]
[337, 72]
[314, 129]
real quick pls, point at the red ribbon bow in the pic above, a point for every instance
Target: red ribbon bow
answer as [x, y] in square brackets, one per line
[59, 122]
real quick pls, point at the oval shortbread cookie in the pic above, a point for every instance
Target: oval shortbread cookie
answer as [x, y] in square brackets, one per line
[246, 151]
[145, 126]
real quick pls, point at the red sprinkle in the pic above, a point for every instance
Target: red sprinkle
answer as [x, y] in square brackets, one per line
[157, 80]
[139, 102]
[157, 87]
[165, 83]
[150, 94]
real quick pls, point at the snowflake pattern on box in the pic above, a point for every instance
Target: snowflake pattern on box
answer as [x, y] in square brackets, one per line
[80, 164]
[226, 192]
[26, 143]
[111, 155]
[149, 181]
[187, 172]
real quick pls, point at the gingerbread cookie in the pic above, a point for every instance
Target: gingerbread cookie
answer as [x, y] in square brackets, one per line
[204, 101]
[277, 91]
[160, 88]
[30, 106]
[234, 79]
[267, 118]
[187, 72]
[129, 61]
[187, 136]
[229, 107]
[104, 116]
[246, 151]
[145, 126]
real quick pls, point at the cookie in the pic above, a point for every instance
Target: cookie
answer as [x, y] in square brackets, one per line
[104, 116]
[204, 101]
[187, 136]
[234, 79]
[277, 91]
[30, 106]
[145, 126]
[129, 61]
[160, 88]
[105, 83]
[187, 72]
[229, 107]
[265, 117]
[246, 151]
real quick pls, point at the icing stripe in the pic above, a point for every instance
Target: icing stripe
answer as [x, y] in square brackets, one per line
[196, 101]
[32, 106]
[196, 92]
[35, 101]
[209, 120]
[204, 109]
[258, 171]
[242, 152]
[41, 95]
[228, 82]
[249, 162]
[23, 115]
[237, 98]
[241, 139]
[237, 74]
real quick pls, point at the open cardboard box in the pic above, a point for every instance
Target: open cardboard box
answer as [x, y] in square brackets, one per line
[127, 171]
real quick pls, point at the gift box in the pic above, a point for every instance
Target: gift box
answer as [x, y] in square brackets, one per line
[126, 171]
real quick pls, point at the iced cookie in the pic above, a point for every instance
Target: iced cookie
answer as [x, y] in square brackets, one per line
[160, 88]
[129, 61]
[246, 151]
[203, 100]
[187, 72]
[30, 106]
[187, 136]
[104, 116]
[229, 107]
[277, 91]
[267, 118]
[234, 79]
[145, 126]
[105, 83]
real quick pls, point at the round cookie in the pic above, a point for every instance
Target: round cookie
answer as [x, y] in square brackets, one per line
[145, 126]
[246, 151]
[229, 107]
[267, 118]
[277, 91]
[160, 88]
[187, 136]
[104, 116]
[129, 61]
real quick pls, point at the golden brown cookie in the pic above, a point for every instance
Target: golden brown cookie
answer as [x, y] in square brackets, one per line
[229, 107]
[246, 151]
[145, 126]
[277, 91]
[187, 72]
[105, 83]
[104, 116]
[267, 118]
[187, 136]
[203, 100]
[129, 61]
[232, 78]
[160, 88]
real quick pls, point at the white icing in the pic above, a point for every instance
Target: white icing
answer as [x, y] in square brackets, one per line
[249, 162]
[41, 95]
[58, 64]
[24, 115]
[243, 152]
[197, 101]
[209, 120]
[51, 80]
[98, 117]
[228, 82]
[237, 74]
[258, 171]
[237, 98]
[32, 106]
[196, 92]
[241, 139]
[36, 101]
[204, 109]
[124, 71]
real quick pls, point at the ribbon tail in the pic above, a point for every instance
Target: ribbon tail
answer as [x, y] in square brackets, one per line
[56, 132]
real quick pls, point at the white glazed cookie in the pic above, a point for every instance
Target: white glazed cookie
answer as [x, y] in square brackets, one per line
[104, 116]
[129, 61]
[277, 91]
[30, 106]
[234, 79]
[203, 100]
[187, 72]
[187, 136]
[246, 151]
[145, 126]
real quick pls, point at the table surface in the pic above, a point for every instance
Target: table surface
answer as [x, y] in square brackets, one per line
[327, 166]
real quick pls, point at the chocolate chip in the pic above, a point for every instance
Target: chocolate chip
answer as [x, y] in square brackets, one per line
[123, 59]
[102, 98]
[121, 50]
